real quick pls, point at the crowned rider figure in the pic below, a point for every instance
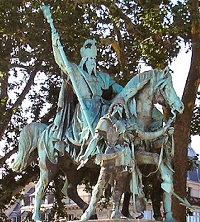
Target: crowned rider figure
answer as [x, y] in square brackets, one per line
[91, 86]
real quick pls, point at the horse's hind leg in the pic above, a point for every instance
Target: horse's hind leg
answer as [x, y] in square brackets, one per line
[41, 187]
[73, 195]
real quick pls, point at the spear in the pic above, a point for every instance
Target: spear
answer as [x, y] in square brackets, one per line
[47, 14]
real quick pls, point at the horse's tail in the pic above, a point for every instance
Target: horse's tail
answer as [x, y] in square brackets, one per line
[27, 144]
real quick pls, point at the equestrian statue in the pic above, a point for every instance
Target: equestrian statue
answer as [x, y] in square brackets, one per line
[106, 131]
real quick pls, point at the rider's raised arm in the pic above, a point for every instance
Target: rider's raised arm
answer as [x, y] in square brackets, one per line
[56, 51]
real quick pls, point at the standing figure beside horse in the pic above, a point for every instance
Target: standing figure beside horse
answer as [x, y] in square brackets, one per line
[118, 166]
[141, 104]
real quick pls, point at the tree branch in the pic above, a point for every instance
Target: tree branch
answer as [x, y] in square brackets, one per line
[10, 112]
[8, 155]
[131, 28]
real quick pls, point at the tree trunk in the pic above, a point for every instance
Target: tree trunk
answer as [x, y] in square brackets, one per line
[183, 123]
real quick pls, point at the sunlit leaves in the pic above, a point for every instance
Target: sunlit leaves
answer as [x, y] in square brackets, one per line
[139, 30]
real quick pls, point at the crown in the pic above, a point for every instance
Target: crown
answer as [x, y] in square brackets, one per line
[89, 49]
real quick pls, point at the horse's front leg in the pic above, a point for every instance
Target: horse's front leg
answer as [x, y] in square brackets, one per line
[167, 176]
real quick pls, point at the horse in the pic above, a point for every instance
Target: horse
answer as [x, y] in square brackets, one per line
[151, 87]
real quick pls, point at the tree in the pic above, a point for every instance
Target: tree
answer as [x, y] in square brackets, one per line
[182, 133]
[127, 32]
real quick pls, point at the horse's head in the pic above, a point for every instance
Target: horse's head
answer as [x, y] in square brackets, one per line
[27, 145]
[165, 93]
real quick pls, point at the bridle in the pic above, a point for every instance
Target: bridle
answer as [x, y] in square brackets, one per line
[160, 89]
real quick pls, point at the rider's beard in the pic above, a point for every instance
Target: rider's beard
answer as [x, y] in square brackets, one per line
[117, 113]
[91, 67]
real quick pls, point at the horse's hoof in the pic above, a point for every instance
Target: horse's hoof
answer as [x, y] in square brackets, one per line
[117, 215]
[85, 216]
[36, 219]
[128, 215]
[169, 217]
[158, 218]
[94, 217]
[170, 220]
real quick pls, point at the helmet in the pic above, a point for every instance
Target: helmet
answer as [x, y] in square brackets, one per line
[89, 49]
[120, 102]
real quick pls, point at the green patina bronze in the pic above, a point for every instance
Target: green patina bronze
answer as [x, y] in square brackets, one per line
[119, 134]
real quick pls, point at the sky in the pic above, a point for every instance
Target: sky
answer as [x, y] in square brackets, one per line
[180, 66]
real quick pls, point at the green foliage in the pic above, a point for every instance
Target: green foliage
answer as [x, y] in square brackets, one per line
[126, 32]
[12, 180]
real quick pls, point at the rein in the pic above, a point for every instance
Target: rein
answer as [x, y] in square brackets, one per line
[169, 122]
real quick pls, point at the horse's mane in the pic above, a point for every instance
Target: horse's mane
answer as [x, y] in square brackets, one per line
[140, 78]
[136, 83]
[29, 136]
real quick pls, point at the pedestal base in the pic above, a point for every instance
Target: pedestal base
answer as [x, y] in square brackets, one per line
[120, 220]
